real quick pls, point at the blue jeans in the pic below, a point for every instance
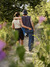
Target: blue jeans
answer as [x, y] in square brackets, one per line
[31, 37]
[23, 30]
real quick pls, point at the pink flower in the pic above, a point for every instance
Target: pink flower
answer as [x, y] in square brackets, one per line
[41, 19]
[2, 45]
[0, 26]
[4, 24]
[37, 43]
[2, 55]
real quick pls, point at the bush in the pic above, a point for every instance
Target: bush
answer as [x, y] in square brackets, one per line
[42, 54]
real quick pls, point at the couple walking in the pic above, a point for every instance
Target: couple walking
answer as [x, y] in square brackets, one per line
[25, 24]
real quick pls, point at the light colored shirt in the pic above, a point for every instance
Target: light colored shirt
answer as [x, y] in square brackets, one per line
[17, 23]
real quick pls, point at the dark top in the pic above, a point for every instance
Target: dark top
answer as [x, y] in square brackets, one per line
[26, 21]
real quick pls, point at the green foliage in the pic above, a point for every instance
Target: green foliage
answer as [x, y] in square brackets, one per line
[13, 64]
[29, 65]
[20, 51]
[8, 35]
[15, 34]
[48, 65]
[47, 48]
[9, 7]
[43, 49]
[40, 10]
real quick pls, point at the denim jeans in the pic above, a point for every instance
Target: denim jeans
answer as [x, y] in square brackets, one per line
[31, 38]
[23, 30]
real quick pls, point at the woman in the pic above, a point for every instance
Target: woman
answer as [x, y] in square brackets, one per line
[17, 24]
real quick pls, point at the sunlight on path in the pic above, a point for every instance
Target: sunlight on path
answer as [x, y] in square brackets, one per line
[28, 55]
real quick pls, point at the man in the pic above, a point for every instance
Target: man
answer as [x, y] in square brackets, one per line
[26, 20]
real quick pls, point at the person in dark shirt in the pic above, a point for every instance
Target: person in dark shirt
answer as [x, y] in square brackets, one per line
[26, 20]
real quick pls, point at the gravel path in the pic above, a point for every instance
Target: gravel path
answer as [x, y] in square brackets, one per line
[5, 62]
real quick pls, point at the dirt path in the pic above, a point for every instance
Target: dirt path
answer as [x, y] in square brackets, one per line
[5, 62]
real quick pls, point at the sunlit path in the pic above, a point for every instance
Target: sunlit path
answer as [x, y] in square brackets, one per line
[28, 55]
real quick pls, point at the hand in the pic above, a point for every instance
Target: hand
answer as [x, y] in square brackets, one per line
[30, 29]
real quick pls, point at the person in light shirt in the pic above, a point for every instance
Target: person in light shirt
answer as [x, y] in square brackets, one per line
[17, 25]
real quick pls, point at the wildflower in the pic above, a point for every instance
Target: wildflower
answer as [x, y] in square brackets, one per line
[4, 24]
[0, 26]
[2, 45]
[41, 19]
[2, 55]
[37, 43]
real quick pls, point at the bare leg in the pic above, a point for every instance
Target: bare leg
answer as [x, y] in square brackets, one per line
[21, 42]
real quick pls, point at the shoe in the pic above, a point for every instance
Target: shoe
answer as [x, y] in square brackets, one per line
[25, 34]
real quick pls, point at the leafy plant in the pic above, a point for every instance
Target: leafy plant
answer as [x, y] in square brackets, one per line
[41, 57]
[20, 51]
[13, 64]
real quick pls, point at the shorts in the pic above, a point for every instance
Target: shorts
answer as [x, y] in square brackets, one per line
[20, 34]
